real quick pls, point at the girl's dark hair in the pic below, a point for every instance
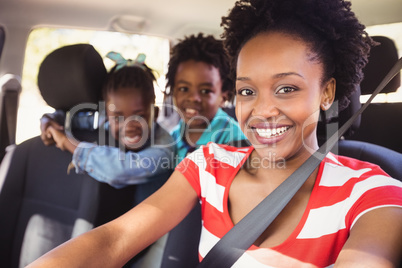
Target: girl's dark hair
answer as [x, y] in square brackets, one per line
[136, 77]
[200, 48]
[331, 29]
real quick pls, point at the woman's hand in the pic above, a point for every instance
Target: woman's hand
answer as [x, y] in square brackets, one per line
[374, 241]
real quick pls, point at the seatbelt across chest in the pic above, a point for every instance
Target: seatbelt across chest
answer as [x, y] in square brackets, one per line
[228, 249]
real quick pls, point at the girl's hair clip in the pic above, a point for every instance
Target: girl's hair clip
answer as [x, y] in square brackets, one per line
[122, 62]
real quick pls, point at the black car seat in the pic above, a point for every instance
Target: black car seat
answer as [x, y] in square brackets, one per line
[381, 123]
[389, 160]
[370, 150]
[41, 206]
[375, 134]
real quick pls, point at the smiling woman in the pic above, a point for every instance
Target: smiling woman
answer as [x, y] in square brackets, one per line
[290, 60]
[273, 101]
[277, 91]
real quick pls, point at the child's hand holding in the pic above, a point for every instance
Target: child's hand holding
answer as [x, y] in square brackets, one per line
[60, 138]
[46, 136]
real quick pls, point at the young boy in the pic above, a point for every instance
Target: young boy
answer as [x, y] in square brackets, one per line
[198, 79]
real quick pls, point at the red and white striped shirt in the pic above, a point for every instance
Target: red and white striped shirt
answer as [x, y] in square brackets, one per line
[344, 190]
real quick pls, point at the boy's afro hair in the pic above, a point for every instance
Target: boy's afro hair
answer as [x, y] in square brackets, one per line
[203, 49]
[329, 26]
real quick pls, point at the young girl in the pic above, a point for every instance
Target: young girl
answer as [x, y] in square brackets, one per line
[291, 59]
[198, 79]
[143, 151]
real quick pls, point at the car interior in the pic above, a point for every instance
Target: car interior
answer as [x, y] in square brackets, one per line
[42, 205]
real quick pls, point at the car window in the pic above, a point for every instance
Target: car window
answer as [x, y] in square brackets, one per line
[42, 41]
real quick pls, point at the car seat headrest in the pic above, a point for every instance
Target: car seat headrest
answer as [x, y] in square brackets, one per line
[381, 60]
[71, 75]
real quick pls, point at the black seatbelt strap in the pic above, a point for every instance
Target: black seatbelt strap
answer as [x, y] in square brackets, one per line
[228, 249]
[10, 90]
[11, 104]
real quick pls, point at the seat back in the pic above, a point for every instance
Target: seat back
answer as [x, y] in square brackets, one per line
[389, 160]
[381, 122]
[41, 205]
[374, 136]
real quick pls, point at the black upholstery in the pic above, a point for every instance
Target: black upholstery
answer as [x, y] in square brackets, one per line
[390, 161]
[181, 248]
[381, 122]
[376, 135]
[230, 111]
[70, 76]
[381, 60]
[41, 205]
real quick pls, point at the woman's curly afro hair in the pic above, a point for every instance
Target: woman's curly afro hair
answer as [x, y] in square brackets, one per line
[203, 49]
[328, 26]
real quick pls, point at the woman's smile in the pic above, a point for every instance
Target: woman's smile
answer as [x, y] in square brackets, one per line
[278, 89]
[271, 132]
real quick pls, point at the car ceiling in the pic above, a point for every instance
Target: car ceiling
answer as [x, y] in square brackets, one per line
[172, 18]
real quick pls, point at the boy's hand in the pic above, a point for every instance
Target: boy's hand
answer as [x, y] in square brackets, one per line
[61, 139]
[46, 136]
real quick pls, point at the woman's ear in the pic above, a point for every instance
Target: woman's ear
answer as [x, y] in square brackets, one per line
[328, 95]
